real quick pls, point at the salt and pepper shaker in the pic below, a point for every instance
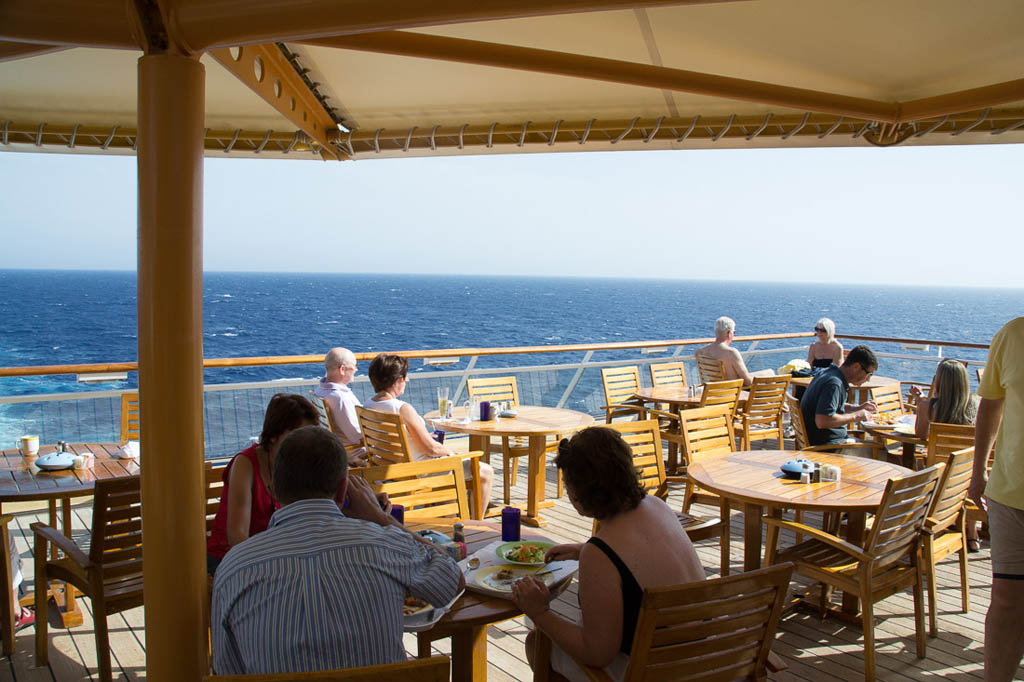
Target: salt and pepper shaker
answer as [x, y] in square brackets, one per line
[459, 532]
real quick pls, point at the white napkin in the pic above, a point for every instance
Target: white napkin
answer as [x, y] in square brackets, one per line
[129, 450]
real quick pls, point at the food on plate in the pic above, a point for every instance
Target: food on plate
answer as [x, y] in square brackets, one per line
[503, 579]
[526, 553]
[474, 562]
[412, 605]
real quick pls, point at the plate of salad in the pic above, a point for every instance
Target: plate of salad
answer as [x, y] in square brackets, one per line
[524, 552]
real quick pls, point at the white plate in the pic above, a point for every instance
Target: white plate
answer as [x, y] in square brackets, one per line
[905, 429]
[56, 461]
[426, 619]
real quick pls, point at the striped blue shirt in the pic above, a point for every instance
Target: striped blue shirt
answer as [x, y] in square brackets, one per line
[318, 591]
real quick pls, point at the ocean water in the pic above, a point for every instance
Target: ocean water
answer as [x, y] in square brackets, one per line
[60, 317]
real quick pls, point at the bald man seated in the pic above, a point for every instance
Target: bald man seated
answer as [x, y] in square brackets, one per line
[735, 368]
[340, 365]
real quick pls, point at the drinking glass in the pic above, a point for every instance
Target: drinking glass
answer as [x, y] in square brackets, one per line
[442, 400]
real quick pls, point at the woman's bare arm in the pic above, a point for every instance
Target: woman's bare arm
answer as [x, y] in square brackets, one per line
[418, 433]
[239, 500]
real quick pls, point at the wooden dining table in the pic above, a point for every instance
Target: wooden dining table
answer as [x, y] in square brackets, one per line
[532, 422]
[466, 623]
[909, 441]
[754, 479]
[22, 481]
[857, 394]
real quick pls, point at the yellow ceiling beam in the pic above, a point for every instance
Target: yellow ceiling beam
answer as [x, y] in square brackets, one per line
[268, 73]
[202, 24]
[963, 100]
[610, 70]
[71, 23]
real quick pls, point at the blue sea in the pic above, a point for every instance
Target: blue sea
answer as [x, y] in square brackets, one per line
[61, 317]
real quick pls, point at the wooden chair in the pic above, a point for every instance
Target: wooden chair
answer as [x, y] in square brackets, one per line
[710, 369]
[109, 572]
[129, 417]
[722, 393]
[945, 439]
[512, 448]
[432, 488]
[800, 438]
[644, 438]
[980, 372]
[434, 669]
[761, 417]
[668, 374]
[945, 530]
[326, 418]
[889, 399]
[705, 431]
[889, 561]
[620, 383]
[384, 436]
[7, 585]
[707, 631]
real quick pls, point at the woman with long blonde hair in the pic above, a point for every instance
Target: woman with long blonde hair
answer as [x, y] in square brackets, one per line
[825, 351]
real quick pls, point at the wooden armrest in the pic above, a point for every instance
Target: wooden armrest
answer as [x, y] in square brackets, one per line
[6, 518]
[472, 454]
[671, 416]
[803, 529]
[628, 407]
[676, 479]
[64, 543]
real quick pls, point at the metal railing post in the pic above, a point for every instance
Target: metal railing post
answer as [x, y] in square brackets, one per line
[465, 377]
[575, 379]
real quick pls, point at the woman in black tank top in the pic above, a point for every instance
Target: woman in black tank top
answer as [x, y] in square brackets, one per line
[636, 531]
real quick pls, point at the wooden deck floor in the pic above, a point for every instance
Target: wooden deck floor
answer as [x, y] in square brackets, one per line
[814, 649]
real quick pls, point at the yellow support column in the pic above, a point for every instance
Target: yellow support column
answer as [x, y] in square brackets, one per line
[170, 282]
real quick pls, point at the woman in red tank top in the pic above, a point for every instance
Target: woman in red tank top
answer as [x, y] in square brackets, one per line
[246, 503]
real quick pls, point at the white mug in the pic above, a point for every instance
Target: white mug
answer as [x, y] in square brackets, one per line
[28, 445]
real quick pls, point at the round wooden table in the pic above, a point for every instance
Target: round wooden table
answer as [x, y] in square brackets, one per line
[678, 396]
[884, 432]
[533, 423]
[753, 478]
[858, 394]
[22, 481]
[466, 623]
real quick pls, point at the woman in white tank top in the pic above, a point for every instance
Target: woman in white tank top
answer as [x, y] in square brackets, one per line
[389, 376]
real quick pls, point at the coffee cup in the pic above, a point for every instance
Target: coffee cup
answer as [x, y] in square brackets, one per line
[28, 445]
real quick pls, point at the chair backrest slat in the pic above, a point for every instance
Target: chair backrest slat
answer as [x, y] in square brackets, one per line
[796, 420]
[952, 491]
[668, 374]
[214, 480]
[494, 388]
[944, 439]
[432, 488]
[620, 383]
[901, 514]
[722, 393]
[384, 436]
[707, 431]
[765, 400]
[644, 437]
[116, 542]
[434, 669]
[889, 399]
[130, 422]
[710, 369]
[720, 629]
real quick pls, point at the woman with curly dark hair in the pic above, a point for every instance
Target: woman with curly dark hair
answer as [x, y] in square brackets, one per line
[640, 544]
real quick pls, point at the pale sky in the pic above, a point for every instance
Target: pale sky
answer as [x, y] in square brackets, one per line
[903, 215]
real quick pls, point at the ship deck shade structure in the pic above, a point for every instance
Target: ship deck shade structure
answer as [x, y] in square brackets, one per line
[358, 79]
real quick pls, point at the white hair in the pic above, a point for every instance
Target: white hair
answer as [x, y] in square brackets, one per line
[336, 357]
[724, 325]
[830, 328]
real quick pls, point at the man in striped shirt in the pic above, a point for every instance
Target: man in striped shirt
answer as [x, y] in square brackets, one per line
[321, 590]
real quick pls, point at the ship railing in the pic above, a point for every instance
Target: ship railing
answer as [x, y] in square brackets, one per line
[561, 376]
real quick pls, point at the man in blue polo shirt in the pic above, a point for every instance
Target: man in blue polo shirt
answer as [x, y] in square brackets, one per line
[825, 410]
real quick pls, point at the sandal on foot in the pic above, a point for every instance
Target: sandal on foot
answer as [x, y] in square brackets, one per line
[973, 546]
[24, 619]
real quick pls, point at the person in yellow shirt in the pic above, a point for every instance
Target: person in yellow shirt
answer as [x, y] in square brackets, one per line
[1001, 420]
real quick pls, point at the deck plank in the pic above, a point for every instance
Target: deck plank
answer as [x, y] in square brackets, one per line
[816, 650]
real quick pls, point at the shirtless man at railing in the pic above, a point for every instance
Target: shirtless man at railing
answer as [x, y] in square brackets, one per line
[735, 368]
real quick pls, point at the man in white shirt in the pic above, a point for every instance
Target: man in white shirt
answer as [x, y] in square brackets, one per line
[340, 364]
